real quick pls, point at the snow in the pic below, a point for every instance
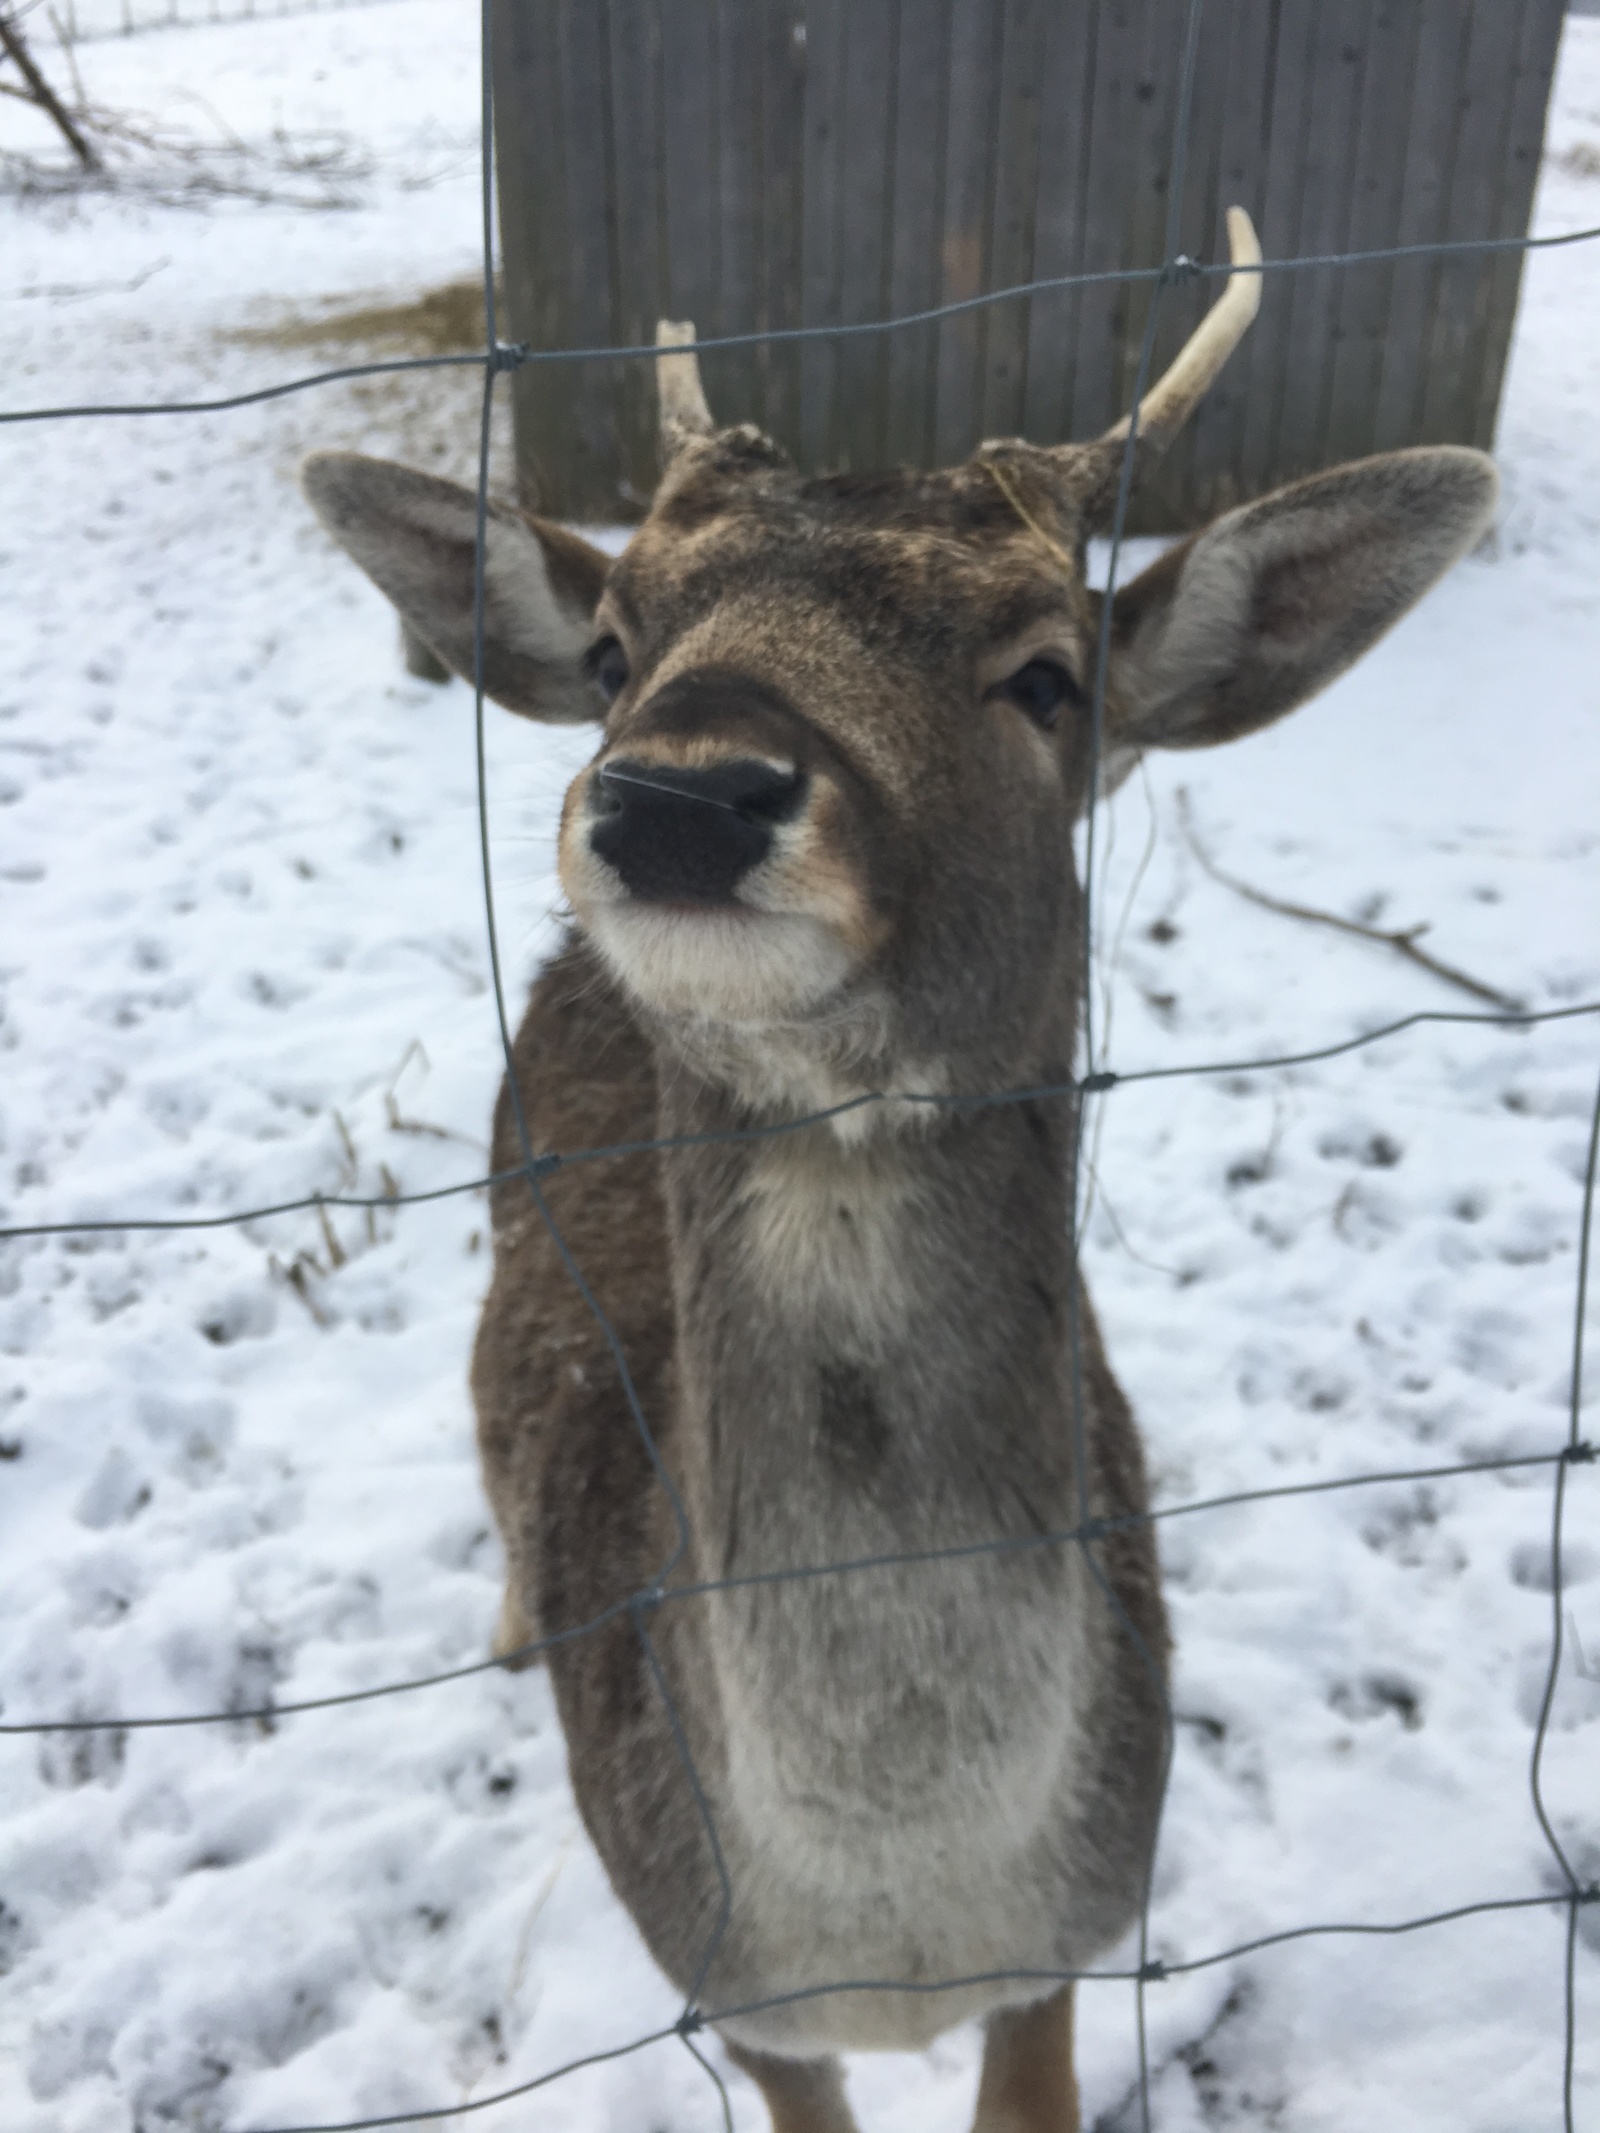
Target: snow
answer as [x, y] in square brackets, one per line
[243, 961]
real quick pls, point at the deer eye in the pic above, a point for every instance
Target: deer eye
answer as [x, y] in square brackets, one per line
[1040, 688]
[606, 665]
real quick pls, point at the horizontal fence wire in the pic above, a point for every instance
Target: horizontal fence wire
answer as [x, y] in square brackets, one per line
[516, 355]
[550, 1161]
[98, 21]
[666, 1588]
[688, 2026]
[659, 1593]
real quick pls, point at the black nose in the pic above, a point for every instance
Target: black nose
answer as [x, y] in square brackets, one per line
[687, 836]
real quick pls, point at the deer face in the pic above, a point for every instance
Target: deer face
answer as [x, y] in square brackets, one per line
[846, 721]
[847, 736]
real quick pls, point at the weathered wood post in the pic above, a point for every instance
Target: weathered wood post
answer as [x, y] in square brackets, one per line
[757, 164]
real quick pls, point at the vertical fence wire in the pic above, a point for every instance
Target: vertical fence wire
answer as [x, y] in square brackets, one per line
[1574, 1451]
[1153, 1667]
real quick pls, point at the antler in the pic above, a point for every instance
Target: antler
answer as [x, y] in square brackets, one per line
[684, 413]
[1168, 405]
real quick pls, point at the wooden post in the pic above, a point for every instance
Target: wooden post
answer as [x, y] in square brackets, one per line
[759, 164]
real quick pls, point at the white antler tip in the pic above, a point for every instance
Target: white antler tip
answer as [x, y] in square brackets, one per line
[1244, 250]
[684, 413]
[1169, 404]
[1244, 247]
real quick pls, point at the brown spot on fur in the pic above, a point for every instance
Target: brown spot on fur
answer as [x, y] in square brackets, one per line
[850, 1424]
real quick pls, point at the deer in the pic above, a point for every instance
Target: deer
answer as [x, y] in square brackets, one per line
[822, 885]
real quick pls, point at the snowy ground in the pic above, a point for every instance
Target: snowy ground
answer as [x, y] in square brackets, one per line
[243, 960]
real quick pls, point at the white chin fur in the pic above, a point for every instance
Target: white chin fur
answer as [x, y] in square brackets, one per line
[720, 966]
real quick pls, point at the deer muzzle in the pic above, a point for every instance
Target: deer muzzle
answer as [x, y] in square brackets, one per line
[689, 836]
[718, 853]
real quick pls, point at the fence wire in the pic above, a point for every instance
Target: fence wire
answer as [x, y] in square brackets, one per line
[639, 1607]
[94, 21]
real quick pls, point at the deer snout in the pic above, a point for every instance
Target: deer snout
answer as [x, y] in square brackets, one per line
[676, 835]
[714, 855]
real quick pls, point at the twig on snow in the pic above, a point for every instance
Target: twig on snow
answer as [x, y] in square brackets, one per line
[1402, 939]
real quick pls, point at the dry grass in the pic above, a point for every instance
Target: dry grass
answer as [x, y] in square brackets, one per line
[447, 320]
[429, 418]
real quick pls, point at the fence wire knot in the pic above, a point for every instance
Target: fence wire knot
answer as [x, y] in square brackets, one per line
[1580, 1454]
[507, 355]
[1152, 1972]
[690, 2022]
[1181, 268]
[1097, 1084]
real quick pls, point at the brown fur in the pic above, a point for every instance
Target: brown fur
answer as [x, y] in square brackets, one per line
[1028, 2079]
[866, 1338]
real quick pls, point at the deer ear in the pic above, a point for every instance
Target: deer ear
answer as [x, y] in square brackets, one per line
[416, 537]
[1237, 625]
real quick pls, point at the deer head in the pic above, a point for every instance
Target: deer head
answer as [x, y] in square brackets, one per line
[846, 721]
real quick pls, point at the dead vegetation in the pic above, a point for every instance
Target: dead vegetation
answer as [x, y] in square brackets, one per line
[1403, 940]
[447, 320]
[426, 417]
[309, 1269]
[173, 167]
[105, 150]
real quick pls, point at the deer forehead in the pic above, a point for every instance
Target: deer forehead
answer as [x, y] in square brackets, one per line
[841, 581]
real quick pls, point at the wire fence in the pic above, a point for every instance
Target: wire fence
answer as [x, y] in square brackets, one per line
[1097, 1082]
[91, 21]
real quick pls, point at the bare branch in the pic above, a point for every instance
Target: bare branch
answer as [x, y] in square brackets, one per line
[39, 92]
[1403, 940]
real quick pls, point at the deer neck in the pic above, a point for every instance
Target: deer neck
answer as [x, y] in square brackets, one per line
[873, 1350]
[863, 1317]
